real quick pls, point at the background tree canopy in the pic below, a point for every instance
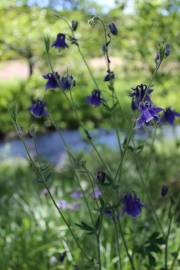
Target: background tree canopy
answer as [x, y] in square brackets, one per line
[24, 25]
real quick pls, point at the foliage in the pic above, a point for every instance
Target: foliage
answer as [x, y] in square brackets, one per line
[117, 206]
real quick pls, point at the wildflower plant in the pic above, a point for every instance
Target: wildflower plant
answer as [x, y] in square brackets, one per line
[106, 200]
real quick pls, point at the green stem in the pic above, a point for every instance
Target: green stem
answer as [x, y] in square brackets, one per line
[117, 241]
[175, 258]
[37, 170]
[126, 247]
[72, 160]
[90, 141]
[99, 250]
[119, 169]
[146, 190]
[167, 238]
[88, 68]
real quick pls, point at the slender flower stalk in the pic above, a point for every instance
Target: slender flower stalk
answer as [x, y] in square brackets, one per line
[72, 160]
[71, 101]
[175, 258]
[167, 237]
[38, 171]
[117, 240]
[125, 245]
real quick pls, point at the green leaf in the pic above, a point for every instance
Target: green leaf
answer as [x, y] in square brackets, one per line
[85, 227]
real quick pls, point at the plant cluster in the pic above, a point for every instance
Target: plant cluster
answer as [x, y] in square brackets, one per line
[104, 196]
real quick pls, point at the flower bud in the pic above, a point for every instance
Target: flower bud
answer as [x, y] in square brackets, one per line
[113, 29]
[74, 25]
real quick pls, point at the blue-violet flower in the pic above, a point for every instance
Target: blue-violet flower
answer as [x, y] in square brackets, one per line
[141, 93]
[167, 50]
[96, 194]
[113, 29]
[38, 109]
[67, 82]
[52, 80]
[95, 98]
[60, 42]
[132, 205]
[164, 190]
[169, 116]
[148, 113]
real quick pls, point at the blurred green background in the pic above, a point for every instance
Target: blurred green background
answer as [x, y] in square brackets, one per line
[142, 25]
[31, 235]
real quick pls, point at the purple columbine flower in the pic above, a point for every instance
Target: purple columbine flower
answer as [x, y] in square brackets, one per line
[95, 98]
[109, 76]
[52, 80]
[76, 195]
[164, 190]
[167, 50]
[38, 109]
[169, 116]
[140, 94]
[96, 194]
[67, 82]
[113, 29]
[158, 58]
[62, 256]
[62, 204]
[60, 42]
[132, 205]
[148, 113]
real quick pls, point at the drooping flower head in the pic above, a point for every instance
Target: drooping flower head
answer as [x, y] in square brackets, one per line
[109, 76]
[95, 98]
[96, 194]
[76, 195]
[132, 205]
[62, 204]
[67, 82]
[164, 190]
[113, 29]
[169, 116]
[38, 109]
[158, 58]
[148, 114]
[52, 80]
[62, 256]
[140, 94]
[60, 42]
[167, 50]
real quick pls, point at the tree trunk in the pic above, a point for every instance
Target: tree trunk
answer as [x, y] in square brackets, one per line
[30, 68]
